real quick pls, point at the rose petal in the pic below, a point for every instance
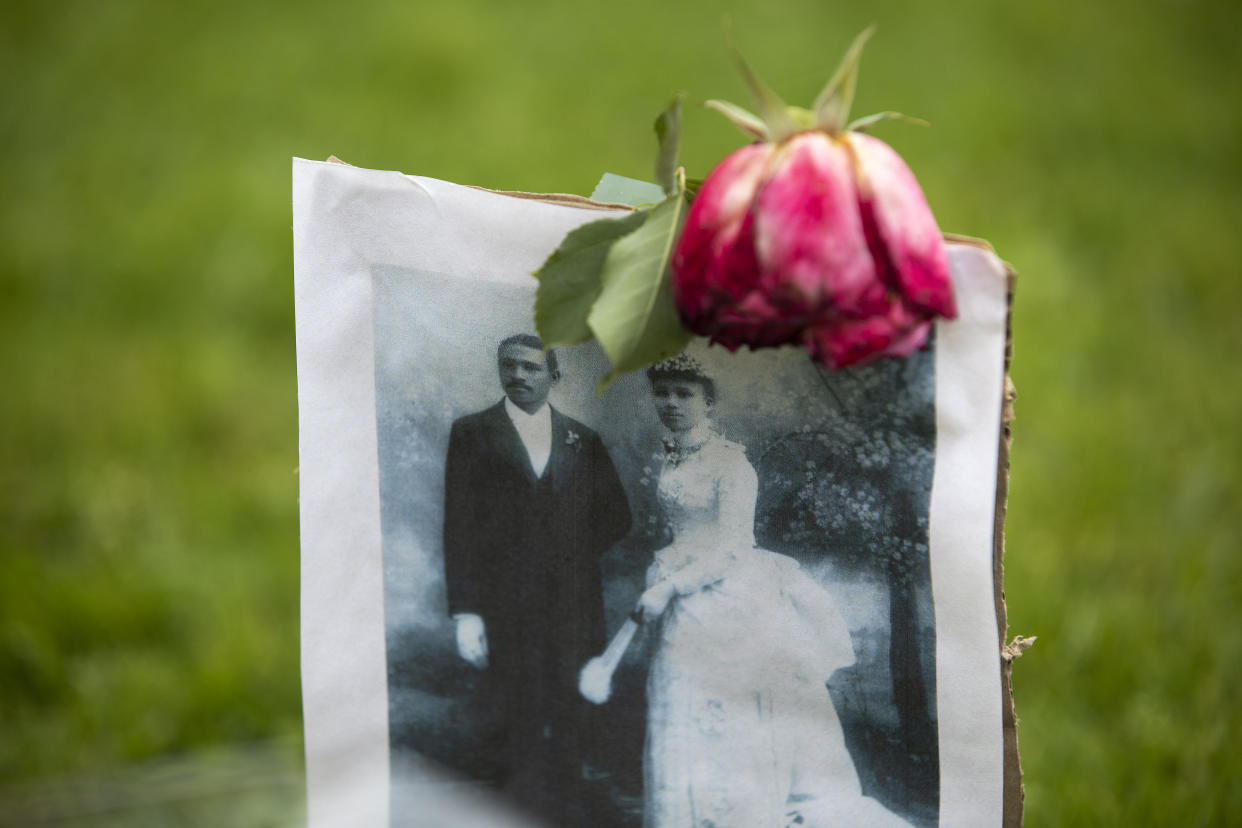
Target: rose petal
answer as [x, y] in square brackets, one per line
[908, 234]
[715, 250]
[756, 323]
[809, 234]
[843, 342]
[727, 273]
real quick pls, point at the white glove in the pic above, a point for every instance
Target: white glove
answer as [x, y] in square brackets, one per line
[471, 639]
[595, 681]
[652, 603]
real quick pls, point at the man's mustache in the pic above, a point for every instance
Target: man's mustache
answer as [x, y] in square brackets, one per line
[517, 384]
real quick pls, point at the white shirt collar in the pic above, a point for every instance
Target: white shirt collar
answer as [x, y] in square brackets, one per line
[535, 432]
[518, 415]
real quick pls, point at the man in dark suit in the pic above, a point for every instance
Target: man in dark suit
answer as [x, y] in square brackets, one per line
[532, 501]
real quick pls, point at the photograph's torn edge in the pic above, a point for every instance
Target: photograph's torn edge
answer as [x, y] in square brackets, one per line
[1014, 793]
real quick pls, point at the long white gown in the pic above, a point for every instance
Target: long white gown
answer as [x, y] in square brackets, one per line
[741, 730]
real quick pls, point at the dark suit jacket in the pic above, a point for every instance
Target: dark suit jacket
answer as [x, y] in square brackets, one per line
[524, 553]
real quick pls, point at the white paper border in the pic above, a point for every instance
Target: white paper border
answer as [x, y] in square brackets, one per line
[970, 376]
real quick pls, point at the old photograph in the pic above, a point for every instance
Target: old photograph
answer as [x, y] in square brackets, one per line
[700, 597]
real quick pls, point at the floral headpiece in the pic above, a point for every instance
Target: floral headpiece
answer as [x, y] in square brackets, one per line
[682, 365]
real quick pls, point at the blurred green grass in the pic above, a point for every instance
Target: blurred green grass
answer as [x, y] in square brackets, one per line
[148, 523]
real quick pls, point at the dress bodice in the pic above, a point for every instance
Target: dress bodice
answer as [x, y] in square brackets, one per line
[708, 497]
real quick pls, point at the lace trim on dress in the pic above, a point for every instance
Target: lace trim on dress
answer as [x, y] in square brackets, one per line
[677, 451]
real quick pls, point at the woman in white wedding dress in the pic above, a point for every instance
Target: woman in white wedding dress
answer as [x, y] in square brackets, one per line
[741, 730]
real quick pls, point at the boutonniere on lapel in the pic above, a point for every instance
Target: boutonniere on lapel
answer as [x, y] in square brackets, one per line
[573, 440]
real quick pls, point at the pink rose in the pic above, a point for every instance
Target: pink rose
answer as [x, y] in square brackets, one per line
[821, 239]
[817, 234]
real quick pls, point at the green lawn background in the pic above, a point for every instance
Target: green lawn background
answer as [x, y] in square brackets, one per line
[148, 494]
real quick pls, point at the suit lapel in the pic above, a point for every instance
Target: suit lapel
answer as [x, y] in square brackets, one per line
[508, 444]
[563, 451]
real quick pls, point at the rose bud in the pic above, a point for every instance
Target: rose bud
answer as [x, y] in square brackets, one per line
[817, 235]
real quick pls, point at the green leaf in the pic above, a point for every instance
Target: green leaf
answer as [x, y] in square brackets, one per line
[617, 189]
[749, 123]
[634, 318]
[832, 106]
[571, 279]
[867, 121]
[668, 131]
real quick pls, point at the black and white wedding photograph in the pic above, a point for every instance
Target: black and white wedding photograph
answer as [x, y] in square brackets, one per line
[698, 597]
